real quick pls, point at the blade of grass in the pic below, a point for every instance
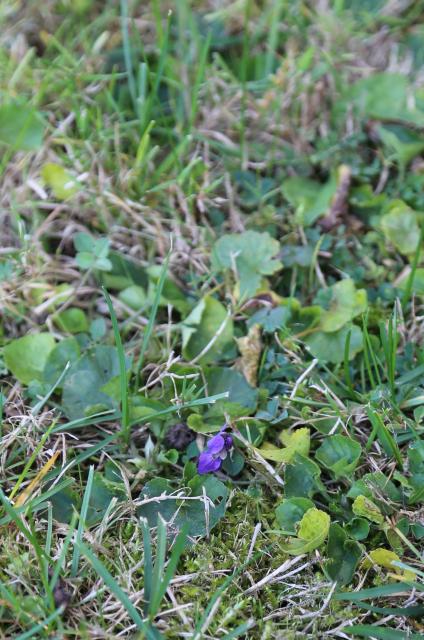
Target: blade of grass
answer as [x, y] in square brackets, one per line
[241, 629]
[40, 626]
[125, 426]
[59, 562]
[382, 633]
[416, 611]
[33, 456]
[109, 580]
[177, 549]
[386, 439]
[410, 282]
[39, 502]
[152, 318]
[158, 566]
[148, 565]
[379, 592]
[127, 54]
[82, 520]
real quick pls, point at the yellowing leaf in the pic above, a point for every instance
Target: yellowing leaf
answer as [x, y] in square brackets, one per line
[312, 532]
[296, 442]
[400, 226]
[385, 558]
[59, 180]
[366, 508]
[26, 493]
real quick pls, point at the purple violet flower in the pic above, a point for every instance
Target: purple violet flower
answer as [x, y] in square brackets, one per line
[211, 458]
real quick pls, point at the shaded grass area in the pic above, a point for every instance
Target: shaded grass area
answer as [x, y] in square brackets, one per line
[211, 214]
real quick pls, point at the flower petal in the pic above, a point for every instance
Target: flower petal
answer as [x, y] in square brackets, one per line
[207, 463]
[216, 444]
[228, 441]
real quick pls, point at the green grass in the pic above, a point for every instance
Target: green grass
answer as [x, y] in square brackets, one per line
[135, 138]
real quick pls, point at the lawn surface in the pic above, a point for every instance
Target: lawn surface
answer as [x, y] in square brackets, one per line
[211, 327]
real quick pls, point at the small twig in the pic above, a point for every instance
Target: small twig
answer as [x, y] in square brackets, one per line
[253, 542]
[281, 569]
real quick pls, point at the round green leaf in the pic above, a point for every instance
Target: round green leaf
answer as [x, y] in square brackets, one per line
[21, 126]
[290, 512]
[345, 304]
[26, 357]
[72, 320]
[330, 347]
[339, 454]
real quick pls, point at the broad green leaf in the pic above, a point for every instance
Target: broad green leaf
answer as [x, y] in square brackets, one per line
[358, 528]
[60, 181]
[403, 142]
[290, 512]
[385, 96]
[171, 292]
[343, 555]
[233, 463]
[310, 198]
[104, 489]
[345, 304]
[416, 482]
[72, 320]
[339, 454]
[200, 518]
[207, 320]
[123, 274]
[21, 126]
[199, 425]
[329, 347]
[302, 478]
[375, 484]
[84, 242]
[134, 297]
[64, 503]
[242, 398]
[26, 357]
[400, 226]
[67, 350]
[82, 388]
[417, 284]
[416, 457]
[366, 508]
[312, 532]
[250, 256]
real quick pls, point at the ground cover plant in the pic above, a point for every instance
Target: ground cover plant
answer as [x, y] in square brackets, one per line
[211, 330]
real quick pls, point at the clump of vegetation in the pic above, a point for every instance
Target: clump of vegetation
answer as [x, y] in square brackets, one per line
[211, 344]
